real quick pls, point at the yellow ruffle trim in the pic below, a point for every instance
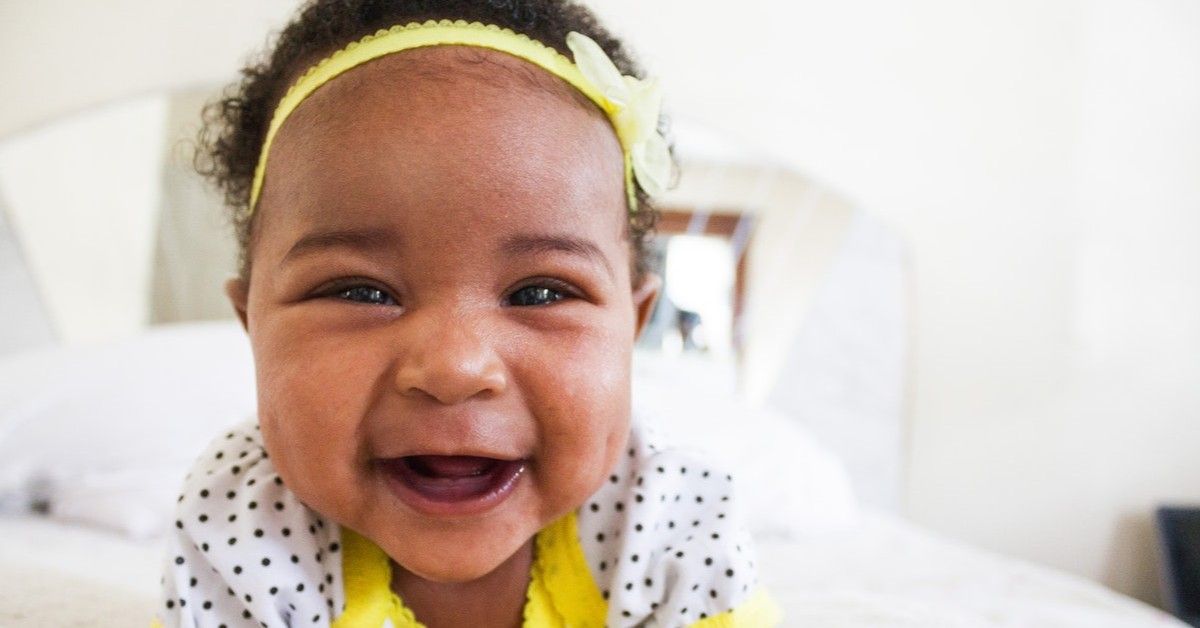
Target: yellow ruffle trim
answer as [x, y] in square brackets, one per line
[560, 593]
[367, 573]
[759, 611]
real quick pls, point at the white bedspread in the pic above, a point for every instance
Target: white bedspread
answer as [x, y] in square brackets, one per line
[889, 573]
[881, 574]
[62, 575]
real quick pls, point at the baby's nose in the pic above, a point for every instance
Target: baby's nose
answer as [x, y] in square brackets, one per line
[449, 358]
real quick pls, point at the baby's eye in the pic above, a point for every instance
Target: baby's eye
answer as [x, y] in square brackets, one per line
[365, 294]
[535, 295]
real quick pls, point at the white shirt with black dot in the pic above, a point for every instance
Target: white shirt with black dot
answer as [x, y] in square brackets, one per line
[243, 550]
[663, 540]
[661, 537]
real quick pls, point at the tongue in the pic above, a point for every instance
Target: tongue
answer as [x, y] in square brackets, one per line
[451, 466]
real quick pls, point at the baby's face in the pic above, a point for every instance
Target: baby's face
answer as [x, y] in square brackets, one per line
[440, 306]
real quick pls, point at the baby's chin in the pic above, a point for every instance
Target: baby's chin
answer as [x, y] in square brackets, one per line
[450, 549]
[460, 567]
[460, 553]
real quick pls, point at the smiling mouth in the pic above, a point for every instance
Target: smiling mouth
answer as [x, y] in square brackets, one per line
[452, 485]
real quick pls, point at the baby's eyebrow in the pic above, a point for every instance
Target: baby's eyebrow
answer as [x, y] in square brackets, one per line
[362, 239]
[527, 244]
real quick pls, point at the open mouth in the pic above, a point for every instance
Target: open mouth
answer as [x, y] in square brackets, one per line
[451, 484]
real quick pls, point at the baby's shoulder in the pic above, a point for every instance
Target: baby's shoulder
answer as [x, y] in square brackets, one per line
[243, 545]
[233, 484]
[663, 537]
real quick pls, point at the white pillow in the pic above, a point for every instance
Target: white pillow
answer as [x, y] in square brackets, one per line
[105, 434]
[789, 485]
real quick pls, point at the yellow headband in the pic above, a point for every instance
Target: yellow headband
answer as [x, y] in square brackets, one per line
[631, 104]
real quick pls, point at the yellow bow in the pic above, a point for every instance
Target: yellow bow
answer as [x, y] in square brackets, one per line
[636, 105]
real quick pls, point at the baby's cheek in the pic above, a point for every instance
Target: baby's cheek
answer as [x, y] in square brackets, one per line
[309, 432]
[318, 468]
[581, 436]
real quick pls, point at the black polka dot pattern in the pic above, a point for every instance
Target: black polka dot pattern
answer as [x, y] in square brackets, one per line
[233, 559]
[662, 538]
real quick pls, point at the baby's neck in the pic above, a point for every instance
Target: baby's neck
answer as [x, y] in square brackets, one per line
[497, 600]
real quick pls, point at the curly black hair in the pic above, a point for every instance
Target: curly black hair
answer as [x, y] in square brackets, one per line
[235, 125]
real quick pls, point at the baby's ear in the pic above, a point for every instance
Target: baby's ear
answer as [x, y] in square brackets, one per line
[238, 291]
[644, 297]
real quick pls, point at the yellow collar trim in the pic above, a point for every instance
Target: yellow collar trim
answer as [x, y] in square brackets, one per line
[758, 611]
[561, 591]
[643, 149]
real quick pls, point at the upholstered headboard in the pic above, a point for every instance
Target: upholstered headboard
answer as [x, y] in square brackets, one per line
[845, 369]
[114, 227]
[25, 322]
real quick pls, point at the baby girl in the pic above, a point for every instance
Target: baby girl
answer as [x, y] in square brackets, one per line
[442, 208]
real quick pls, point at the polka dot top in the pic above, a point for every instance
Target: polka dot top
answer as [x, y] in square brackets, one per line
[659, 544]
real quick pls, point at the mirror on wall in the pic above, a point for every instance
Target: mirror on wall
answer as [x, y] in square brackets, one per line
[701, 258]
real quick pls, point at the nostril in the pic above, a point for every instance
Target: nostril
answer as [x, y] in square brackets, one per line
[414, 391]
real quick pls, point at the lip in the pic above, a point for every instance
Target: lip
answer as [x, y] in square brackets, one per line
[471, 485]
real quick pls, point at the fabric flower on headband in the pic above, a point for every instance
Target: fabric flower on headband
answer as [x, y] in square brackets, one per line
[636, 105]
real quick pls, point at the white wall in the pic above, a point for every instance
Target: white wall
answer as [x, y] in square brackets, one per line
[1042, 159]
[1039, 155]
[57, 56]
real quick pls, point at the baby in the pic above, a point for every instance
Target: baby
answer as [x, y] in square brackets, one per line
[442, 223]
